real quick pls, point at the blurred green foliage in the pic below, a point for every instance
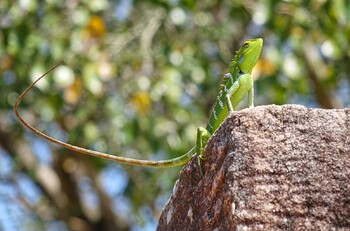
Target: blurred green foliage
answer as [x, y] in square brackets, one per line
[140, 76]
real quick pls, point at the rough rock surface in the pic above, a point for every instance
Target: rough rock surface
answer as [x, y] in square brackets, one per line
[268, 168]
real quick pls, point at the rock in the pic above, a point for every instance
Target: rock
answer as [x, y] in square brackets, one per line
[268, 168]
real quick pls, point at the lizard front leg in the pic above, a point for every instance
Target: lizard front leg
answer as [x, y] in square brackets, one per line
[242, 86]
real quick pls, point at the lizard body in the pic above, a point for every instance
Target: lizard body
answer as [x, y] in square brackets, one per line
[237, 83]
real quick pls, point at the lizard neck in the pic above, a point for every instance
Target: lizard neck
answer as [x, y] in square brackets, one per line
[234, 68]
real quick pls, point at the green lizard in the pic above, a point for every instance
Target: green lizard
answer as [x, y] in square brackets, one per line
[237, 83]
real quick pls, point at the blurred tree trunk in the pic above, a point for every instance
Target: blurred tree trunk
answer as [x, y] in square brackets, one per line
[61, 199]
[317, 73]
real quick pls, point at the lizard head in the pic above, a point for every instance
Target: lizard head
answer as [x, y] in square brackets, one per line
[248, 54]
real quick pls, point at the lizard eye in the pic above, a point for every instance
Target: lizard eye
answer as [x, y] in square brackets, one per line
[245, 44]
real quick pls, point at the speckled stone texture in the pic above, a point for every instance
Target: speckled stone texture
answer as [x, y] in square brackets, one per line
[268, 168]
